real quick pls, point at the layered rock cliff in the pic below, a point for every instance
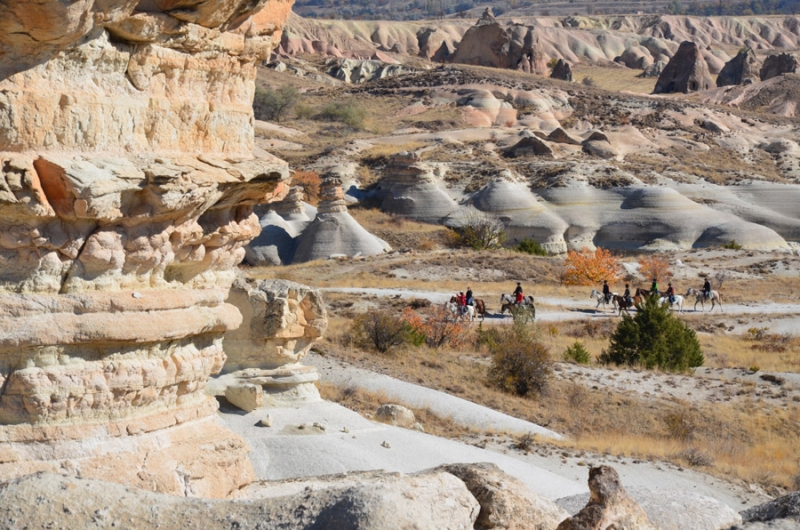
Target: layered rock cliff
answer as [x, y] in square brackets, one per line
[127, 184]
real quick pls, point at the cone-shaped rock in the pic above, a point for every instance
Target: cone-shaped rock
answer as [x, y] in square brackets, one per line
[741, 70]
[334, 231]
[562, 71]
[687, 71]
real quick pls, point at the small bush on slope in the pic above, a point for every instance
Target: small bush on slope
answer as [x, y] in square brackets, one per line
[654, 338]
[520, 363]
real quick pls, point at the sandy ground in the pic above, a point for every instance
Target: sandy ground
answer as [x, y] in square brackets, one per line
[322, 438]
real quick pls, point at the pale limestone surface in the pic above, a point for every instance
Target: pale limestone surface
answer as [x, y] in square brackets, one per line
[127, 187]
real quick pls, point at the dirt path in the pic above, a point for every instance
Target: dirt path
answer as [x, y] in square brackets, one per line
[554, 309]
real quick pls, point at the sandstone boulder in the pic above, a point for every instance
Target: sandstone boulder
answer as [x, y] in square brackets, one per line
[506, 503]
[395, 415]
[687, 71]
[127, 189]
[356, 72]
[433, 500]
[414, 189]
[775, 65]
[609, 506]
[785, 508]
[530, 146]
[741, 70]
[281, 321]
[562, 71]
[560, 136]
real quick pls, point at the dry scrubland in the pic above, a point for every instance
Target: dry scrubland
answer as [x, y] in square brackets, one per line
[734, 429]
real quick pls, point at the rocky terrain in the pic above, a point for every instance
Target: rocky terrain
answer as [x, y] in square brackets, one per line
[146, 380]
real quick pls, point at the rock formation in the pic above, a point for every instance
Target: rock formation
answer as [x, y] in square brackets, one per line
[413, 189]
[530, 145]
[488, 43]
[334, 231]
[562, 71]
[687, 71]
[505, 502]
[281, 223]
[127, 184]
[784, 509]
[775, 65]
[281, 320]
[432, 500]
[357, 72]
[741, 70]
[609, 506]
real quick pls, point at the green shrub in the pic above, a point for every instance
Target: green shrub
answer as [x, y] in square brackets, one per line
[478, 230]
[654, 338]
[303, 111]
[348, 112]
[577, 353]
[530, 246]
[520, 363]
[272, 105]
[732, 245]
[381, 331]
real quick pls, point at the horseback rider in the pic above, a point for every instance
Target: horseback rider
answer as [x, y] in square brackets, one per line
[518, 296]
[606, 291]
[627, 295]
[470, 301]
[462, 302]
[670, 294]
[654, 288]
[707, 288]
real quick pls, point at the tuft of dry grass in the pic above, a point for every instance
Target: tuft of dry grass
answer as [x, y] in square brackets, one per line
[614, 78]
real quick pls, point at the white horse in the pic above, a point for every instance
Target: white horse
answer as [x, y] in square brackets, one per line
[469, 311]
[700, 298]
[601, 299]
[678, 302]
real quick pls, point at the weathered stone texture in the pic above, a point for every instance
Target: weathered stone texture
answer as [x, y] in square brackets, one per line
[127, 187]
[687, 71]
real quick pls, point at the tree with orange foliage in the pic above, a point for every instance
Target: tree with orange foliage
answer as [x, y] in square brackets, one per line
[590, 268]
[654, 267]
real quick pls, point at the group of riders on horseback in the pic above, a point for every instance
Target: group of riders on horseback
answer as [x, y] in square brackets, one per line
[467, 305]
[628, 300]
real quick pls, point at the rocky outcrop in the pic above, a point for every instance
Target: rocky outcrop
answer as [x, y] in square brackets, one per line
[127, 184]
[281, 320]
[687, 71]
[779, 64]
[609, 506]
[357, 72]
[395, 415]
[530, 145]
[562, 71]
[506, 503]
[784, 509]
[334, 232]
[413, 189]
[433, 500]
[489, 43]
[741, 70]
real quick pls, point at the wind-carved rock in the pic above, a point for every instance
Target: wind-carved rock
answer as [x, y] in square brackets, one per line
[414, 189]
[741, 70]
[127, 186]
[687, 71]
[609, 506]
[562, 71]
[282, 319]
[488, 43]
[779, 64]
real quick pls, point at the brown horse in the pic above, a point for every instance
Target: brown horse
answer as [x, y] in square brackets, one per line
[480, 308]
[623, 305]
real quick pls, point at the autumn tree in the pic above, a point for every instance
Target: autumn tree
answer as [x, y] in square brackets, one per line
[590, 268]
[654, 267]
[438, 327]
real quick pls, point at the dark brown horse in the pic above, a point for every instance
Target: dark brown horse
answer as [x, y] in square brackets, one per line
[623, 304]
[480, 308]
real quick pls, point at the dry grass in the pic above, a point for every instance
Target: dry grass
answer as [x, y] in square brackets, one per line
[745, 441]
[614, 79]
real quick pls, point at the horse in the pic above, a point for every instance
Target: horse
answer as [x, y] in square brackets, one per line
[453, 306]
[601, 299]
[480, 307]
[623, 305]
[700, 298]
[507, 302]
[678, 301]
[644, 293]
